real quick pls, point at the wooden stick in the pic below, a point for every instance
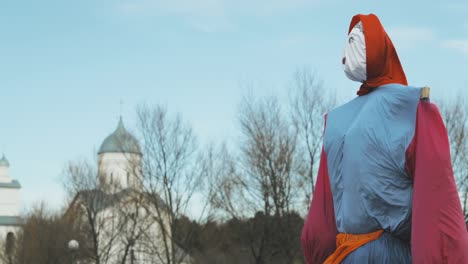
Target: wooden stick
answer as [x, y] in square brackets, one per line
[425, 92]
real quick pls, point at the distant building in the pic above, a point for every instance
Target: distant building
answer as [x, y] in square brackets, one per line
[120, 195]
[9, 201]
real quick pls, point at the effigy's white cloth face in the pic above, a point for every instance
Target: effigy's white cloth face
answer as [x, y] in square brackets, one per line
[354, 57]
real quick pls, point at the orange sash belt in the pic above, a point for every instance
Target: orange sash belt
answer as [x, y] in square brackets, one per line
[347, 243]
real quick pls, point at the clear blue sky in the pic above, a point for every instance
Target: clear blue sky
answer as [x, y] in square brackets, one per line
[65, 65]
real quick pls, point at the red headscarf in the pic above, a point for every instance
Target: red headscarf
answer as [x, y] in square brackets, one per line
[383, 64]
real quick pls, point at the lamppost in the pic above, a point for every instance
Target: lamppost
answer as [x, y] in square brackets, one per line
[73, 246]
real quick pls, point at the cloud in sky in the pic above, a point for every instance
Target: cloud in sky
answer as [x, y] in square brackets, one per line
[410, 37]
[174, 7]
[212, 7]
[460, 45]
[211, 15]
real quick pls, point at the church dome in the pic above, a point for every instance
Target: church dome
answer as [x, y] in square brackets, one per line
[4, 162]
[120, 141]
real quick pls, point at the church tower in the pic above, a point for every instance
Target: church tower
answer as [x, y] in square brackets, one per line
[120, 161]
[10, 197]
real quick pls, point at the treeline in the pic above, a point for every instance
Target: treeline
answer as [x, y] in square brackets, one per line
[238, 240]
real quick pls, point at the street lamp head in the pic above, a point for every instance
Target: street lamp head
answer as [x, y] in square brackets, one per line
[73, 245]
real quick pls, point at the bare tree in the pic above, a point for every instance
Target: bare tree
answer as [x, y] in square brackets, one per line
[269, 169]
[42, 238]
[227, 184]
[261, 179]
[268, 155]
[275, 167]
[309, 101]
[455, 115]
[171, 174]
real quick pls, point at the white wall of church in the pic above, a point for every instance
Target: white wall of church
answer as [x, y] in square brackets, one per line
[9, 201]
[121, 169]
[149, 248]
[4, 177]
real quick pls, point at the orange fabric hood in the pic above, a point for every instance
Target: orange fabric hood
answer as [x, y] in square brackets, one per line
[383, 64]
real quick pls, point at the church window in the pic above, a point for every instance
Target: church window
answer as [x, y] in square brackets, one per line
[9, 243]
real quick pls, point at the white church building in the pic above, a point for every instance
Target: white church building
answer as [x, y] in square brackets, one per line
[9, 201]
[120, 194]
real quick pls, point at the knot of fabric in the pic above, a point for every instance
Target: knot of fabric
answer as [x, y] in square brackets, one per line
[347, 243]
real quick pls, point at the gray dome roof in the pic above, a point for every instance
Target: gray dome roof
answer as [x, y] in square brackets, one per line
[4, 162]
[120, 142]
